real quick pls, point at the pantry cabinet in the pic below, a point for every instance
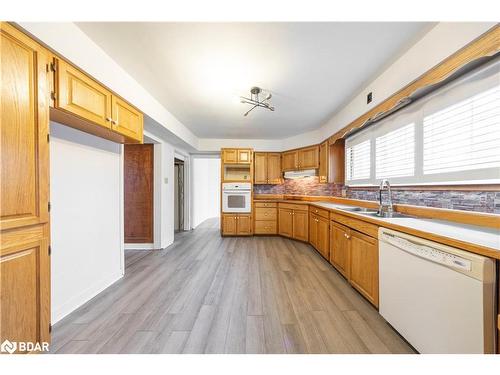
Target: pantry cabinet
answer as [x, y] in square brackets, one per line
[78, 94]
[237, 225]
[267, 169]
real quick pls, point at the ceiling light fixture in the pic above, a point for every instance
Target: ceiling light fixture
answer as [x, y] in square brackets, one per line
[255, 101]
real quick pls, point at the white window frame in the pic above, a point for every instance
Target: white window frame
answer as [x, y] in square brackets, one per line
[469, 85]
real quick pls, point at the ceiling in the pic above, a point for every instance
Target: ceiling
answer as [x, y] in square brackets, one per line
[198, 70]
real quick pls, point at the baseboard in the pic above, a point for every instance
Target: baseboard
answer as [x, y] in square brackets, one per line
[83, 297]
[139, 246]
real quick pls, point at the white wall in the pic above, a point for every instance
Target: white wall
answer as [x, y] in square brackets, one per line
[86, 217]
[205, 189]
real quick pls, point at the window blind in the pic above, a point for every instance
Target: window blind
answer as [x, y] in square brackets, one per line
[395, 153]
[464, 136]
[358, 161]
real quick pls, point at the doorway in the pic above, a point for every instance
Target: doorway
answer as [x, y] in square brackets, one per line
[178, 195]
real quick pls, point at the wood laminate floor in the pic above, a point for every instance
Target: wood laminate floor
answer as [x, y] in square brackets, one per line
[207, 294]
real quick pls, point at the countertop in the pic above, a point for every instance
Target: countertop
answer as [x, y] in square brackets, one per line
[476, 239]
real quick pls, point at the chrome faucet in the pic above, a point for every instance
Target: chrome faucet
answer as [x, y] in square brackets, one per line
[382, 207]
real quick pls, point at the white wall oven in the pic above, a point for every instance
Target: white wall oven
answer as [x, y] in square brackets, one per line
[236, 197]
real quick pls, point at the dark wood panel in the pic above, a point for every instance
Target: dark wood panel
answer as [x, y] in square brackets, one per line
[138, 172]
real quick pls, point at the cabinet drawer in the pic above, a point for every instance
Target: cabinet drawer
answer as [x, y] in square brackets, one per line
[296, 207]
[266, 204]
[359, 225]
[265, 227]
[320, 212]
[262, 213]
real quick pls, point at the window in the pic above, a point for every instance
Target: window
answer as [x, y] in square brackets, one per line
[451, 136]
[395, 153]
[358, 161]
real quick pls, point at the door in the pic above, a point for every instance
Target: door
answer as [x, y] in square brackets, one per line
[244, 156]
[323, 237]
[313, 230]
[126, 119]
[285, 221]
[230, 156]
[244, 224]
[24, 172]
[274, 168]
[289, 161]
[308, 157]
[300, 225]
[323, 162]
[229, 224]
[364, 265]
[339, 248]
[138, 192]
[260, 170]
[78, 94]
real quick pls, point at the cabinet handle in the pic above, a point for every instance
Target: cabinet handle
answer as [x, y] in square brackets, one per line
[347, 236]
[113, 122]
[109, 119]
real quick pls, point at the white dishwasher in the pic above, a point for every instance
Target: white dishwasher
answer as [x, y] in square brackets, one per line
[440, 299]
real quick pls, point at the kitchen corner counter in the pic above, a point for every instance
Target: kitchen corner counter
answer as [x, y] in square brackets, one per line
[476, 239]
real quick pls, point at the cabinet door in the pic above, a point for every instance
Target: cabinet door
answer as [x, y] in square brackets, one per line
[274, 168]
[337, 160]
[339, 248]
[244, 156]
[285, 221]
[323, 237]
[230, 156]
[229, 224]
[300, 225]
[244, 224]
[289, 161]
[126, 120]
[260, 169]
[364, 265]
[24, 124]
[313, 230]
[308, 157]
[323, 162]
[79, 94]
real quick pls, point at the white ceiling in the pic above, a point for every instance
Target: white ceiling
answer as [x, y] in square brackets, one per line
[198, 70]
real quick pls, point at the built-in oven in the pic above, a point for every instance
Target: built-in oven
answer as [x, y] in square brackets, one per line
[236, 197]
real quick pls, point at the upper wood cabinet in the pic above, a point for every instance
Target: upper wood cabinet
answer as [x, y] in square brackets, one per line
[24, 176]
[126, 119]
[290, 161]
[237, 155]
[336, 162]
[308, 157]
[323, 162]
[304, 158]
[81, 95]
[78, 94]
[267, 168]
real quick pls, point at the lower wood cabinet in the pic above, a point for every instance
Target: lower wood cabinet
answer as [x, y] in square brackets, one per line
[237, 225]
[355, 255]
[294, 223]
[266, 218]
[319, 236]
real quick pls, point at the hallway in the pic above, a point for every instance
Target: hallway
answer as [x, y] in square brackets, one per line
[207, 294]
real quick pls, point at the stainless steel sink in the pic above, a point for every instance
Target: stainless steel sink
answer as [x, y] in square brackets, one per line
[360, 209]
[375, 213]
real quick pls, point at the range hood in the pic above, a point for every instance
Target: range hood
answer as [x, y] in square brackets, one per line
[294, 175]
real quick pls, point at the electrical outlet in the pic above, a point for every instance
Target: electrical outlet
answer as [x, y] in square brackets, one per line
[369, 98]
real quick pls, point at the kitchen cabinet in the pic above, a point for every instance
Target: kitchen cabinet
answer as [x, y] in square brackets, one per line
[289, 161]
[80, 95]
[24, 203]
[236, 155]
[339, 248]
[308, 157]
[267, 169]
[336, 162]
[304, 158]
[323, 237]
[323, 162]
[294, 221]
[237, 225]
[364, 265]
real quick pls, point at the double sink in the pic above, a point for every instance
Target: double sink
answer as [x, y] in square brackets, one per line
[375, 213]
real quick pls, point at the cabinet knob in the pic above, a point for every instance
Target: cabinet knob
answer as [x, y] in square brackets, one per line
[347, 236]
[109, 119]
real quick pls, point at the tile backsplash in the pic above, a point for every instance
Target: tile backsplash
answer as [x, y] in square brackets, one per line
[480, 201]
